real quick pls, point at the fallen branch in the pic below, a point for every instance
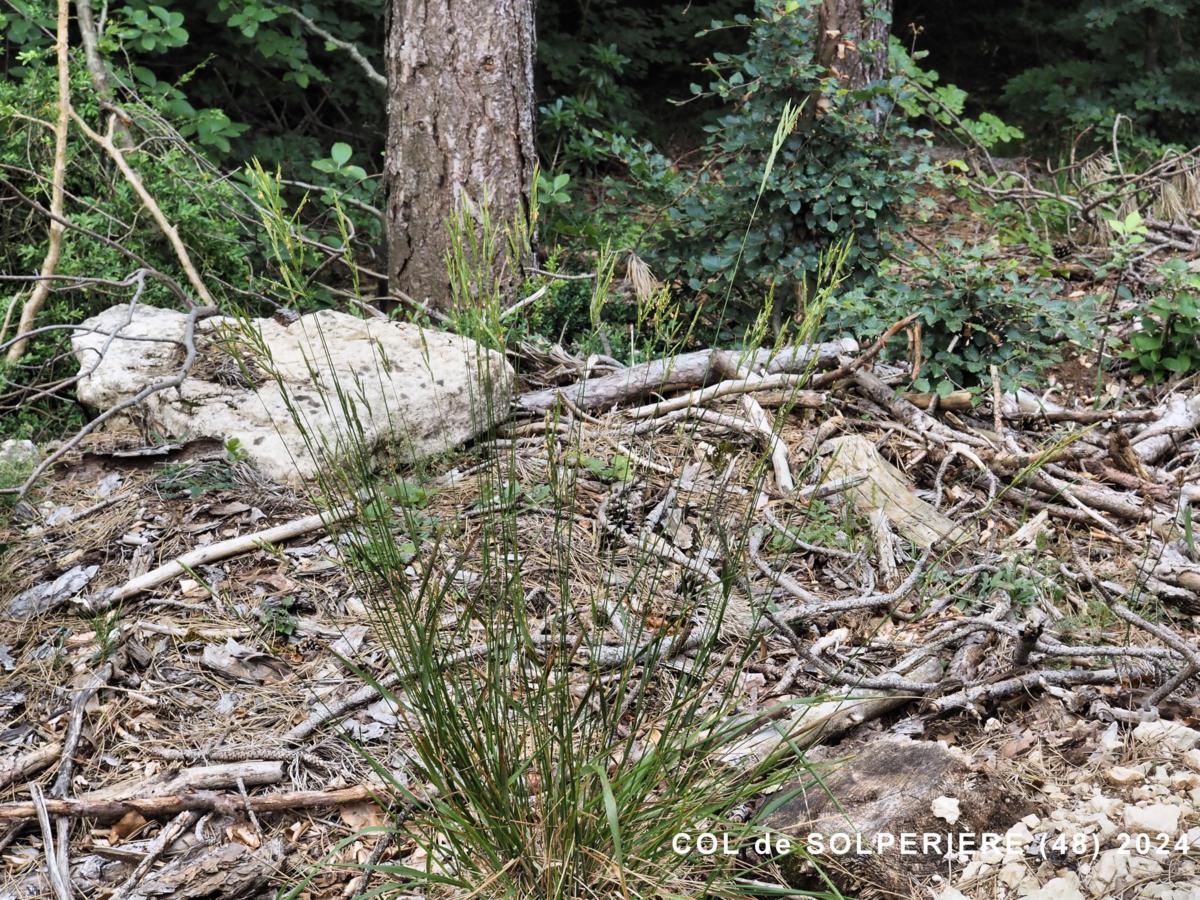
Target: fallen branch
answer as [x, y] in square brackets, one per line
[30, 763]
[229, 804]
[746, 385]
[58, 177]
[166, 836]
[218, 551]
[848, 367]
[812, 724]
[687, 370]
[367, 693]
[1180, 417]
[252, 772]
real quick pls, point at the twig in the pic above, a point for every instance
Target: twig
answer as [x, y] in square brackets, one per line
[851, 366]
[969, 697]
[367, 693]
[521, 304]
[776, 447]
[748, 384]
[39, 807]
[220, 550]
[355, 54]
[135, 182]
[196, 801]
[41, 290]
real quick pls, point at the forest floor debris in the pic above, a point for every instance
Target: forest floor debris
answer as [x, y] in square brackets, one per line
[1050, 625]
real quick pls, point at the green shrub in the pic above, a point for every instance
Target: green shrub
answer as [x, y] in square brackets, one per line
[839, 175]
[1110, 58]
[1167, 342]
[974, 311]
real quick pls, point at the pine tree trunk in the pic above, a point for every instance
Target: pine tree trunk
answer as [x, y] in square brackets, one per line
[460, 127]
[853, 38]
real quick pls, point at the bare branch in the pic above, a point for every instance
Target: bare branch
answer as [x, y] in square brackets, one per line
[42, 289]
[355, 54]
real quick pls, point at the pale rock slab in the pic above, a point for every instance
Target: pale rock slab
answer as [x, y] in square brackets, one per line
[1156, 818]
[415, 392]
[1163, 732]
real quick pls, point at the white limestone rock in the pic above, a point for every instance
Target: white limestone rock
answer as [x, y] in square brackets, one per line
[415, 392]
[1155, 818]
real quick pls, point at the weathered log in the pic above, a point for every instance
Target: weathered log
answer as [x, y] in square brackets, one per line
[252, 773]
[230, 871]
[809, 725]
[30, 763]
[885, 489]
[1180, 417]
[203, 801]
[687, 370]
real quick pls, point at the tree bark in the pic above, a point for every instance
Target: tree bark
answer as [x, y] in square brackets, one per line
[852, 39]
[460, 128]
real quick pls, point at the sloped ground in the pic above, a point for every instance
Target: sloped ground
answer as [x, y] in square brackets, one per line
[1047, 636]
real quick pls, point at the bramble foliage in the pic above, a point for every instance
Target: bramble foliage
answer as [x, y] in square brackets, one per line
[922, 95]
[839, 175]
[974, 311]
[1167, 341]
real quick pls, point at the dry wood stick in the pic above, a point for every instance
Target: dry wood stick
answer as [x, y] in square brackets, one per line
[218, 551]
[33, 761]
[156, 213]
[58, 176]
[687, 370]
[198, 801]
[367, 693]
[848, 367]
[166, 836]
[749, 384]
[39, 809]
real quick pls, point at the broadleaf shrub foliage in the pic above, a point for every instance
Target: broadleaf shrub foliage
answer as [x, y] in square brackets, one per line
[973, 311]
[839, 175]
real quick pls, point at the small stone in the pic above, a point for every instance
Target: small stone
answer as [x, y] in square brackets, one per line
[1165, 733]
[1144, 867]
[1019, 835]
[945, 808]
[1192, 759]
[1122, 775]
[19, 455]
[1156, 818]
[1063, 888]
[1012, 874]
[1111, 867]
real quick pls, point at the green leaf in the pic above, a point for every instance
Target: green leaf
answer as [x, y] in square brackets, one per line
[1177, 364]
[340, 153]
